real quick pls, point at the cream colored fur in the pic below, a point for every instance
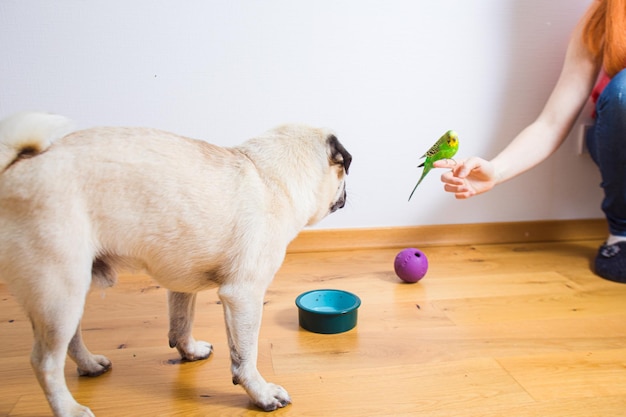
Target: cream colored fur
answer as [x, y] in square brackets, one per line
[76, 207]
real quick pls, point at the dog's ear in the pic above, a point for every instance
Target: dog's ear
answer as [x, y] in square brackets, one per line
[338, 154]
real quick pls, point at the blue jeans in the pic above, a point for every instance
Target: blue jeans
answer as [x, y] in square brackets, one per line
[606, 141]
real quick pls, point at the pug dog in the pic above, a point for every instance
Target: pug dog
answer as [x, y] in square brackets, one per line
[77, 206]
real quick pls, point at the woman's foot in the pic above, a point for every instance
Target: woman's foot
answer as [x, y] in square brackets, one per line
[610, 262]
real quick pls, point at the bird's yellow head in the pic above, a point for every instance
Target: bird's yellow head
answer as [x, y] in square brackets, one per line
[453, 139]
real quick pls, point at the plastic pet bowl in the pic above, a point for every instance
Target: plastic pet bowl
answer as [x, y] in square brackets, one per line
[327, 311]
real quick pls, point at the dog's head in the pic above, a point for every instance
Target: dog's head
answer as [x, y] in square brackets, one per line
[340, 159]
[310, 164]
[331, 193]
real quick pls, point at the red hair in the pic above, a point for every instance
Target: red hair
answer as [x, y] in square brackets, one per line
[604, 33]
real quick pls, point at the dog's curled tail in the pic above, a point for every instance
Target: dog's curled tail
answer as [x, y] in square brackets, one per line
[28, 134]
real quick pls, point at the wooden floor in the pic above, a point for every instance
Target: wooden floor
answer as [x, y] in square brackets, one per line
[492, 330]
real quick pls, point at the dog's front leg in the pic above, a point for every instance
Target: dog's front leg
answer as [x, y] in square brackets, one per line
[182, 307]
[243, 308]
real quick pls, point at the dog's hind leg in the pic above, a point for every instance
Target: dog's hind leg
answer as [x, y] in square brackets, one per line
[54, 325]
[182, 308]
[102, 274]
[88, 363]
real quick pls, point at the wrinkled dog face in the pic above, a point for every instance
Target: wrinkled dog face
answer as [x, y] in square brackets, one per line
[334, 186]
[340, 160]
[340, 198]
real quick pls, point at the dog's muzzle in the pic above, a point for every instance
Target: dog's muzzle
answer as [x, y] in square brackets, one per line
[340, 203]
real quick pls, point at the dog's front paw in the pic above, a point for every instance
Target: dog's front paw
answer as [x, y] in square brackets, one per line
[83, 412]
[95, 366]
[73, 410]
[194, 350]
[272, 397]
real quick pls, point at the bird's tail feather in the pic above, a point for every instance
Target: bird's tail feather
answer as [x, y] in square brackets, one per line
[418, 183]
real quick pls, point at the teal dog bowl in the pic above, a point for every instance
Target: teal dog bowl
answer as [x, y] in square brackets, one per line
[327, 311]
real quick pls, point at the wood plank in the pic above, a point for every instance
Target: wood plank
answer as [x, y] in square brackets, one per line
[407, 389]
[563, 305]
[315, 240]
[591, 374]
[519, 329]
[570, 407]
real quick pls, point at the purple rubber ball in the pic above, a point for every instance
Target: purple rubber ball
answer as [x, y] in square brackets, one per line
[411, 265]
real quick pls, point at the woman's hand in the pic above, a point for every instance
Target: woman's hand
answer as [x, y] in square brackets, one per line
[467, 178]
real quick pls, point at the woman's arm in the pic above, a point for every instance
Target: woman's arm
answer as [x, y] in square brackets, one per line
[541, 138]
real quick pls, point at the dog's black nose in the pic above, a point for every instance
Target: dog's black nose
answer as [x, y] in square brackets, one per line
[339, 204]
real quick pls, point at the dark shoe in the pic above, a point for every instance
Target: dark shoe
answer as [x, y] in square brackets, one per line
[611, 262]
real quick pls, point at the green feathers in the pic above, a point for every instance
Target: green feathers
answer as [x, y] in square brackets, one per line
[444, 148]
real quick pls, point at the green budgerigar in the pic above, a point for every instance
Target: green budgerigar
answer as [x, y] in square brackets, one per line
[444, 148]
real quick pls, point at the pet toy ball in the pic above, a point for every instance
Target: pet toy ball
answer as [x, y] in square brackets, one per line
[410, 265]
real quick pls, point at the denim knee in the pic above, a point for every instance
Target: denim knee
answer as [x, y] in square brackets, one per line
[605, 141]
[613, 98]
[608, 131]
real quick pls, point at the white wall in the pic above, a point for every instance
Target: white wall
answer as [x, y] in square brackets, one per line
[389, 76]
